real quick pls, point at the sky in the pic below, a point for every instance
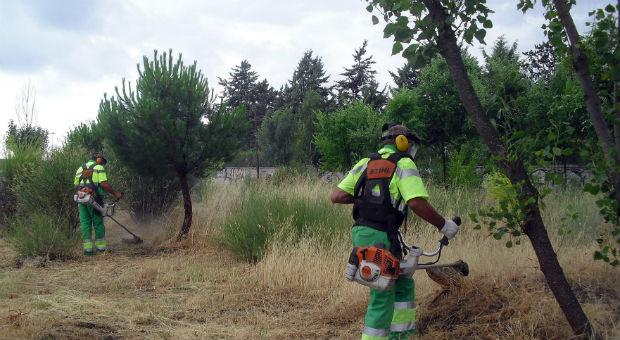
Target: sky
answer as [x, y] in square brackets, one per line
[71, 52]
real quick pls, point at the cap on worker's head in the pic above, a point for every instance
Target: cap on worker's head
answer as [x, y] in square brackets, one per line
[99, 155]
[391, 130]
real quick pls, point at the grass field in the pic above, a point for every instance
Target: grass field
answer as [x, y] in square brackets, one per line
[209, 287]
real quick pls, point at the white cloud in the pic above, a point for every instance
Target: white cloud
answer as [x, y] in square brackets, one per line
[74, 51]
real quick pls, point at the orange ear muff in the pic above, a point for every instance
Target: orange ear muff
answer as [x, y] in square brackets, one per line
[99, 160]
[402, 143]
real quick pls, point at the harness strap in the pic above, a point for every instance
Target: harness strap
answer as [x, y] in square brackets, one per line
[379, 212]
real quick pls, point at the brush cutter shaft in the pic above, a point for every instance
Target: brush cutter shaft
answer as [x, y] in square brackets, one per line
[411, 263]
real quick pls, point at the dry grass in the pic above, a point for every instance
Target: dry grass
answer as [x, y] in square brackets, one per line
[200, 290]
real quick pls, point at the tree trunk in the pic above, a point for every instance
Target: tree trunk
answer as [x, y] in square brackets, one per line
[533, 227]
[187, 207]
[593, 103]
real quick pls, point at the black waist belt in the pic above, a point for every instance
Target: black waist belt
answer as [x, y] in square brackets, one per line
[392, 235]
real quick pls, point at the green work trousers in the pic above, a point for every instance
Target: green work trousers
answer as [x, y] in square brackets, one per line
[391, 313]
[89, 217]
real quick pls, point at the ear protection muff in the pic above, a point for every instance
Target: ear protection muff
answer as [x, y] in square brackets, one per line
[402, 143]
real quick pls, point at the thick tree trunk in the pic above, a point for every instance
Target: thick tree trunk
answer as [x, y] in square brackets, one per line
[534, 227]
[593, 103]
[187, 207]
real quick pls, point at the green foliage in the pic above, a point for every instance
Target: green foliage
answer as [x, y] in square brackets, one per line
[507, 216]
[242, 89]
[89, 135]
[347, 135]
[158, 128]
[267, 215]
[414, 32]
[304, 148]
[44, 214]
[359, 83]
[41, 234]
[48, 187]
[462, 167]
[33, 136]
[166, 127]
[276, 136]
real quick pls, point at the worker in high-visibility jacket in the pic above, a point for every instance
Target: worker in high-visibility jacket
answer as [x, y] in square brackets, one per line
[91, 178]
[391, 314]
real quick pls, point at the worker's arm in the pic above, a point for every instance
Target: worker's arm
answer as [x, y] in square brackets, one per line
[341, 196]
[108, 188]
[425, 210]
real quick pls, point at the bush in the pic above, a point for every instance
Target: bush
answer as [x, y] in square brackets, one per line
[40, 234]
[21, 159]
[268, 213]
[48, 188]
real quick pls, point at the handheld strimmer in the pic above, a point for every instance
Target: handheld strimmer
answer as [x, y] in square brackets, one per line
[377, 268]
[107, 210]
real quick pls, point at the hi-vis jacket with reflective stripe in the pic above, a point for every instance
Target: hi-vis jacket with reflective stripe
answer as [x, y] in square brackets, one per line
[405, 184]
[98, 176]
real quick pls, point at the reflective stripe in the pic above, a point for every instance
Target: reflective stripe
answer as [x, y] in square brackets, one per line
[87, 245]
[405, 315]
[356, 170]
[404, 173]
[101, 244]
[404, 305]
[375, 333]
[402, 327]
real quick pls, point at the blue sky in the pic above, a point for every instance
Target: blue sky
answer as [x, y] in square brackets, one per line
[73, 51]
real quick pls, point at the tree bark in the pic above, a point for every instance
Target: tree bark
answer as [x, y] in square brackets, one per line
[533, 227]
[593, 103]
[187, 207]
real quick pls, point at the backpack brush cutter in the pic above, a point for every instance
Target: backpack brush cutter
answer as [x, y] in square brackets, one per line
[376, 267]
[107, 210]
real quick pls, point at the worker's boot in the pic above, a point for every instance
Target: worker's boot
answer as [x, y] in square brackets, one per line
[88, 248]
[101, 245]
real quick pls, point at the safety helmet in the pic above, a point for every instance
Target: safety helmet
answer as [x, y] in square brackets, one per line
[99, 155]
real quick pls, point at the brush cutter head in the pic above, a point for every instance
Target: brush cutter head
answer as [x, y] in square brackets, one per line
[135, 240]
[448, 275]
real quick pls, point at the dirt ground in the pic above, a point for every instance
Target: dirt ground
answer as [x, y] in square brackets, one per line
[140, 291]
[182, 292]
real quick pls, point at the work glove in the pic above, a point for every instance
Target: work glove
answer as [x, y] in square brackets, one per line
[449, 229]
[118, 195]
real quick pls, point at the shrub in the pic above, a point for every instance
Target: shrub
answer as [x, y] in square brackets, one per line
[41, 234]
[21, 159]
[48, 188]
[268, 213]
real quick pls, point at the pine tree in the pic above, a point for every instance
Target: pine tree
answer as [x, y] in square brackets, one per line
[242, 89]
[359, 83]
[163, 127]
[308, 76]
[406, 76]
[238, 89]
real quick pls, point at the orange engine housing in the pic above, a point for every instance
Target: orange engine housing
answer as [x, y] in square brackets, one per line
[388, 264]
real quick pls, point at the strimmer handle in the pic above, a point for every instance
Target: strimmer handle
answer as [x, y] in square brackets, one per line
[444, 240]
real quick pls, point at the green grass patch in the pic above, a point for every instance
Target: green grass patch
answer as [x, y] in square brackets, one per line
[268, 213]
